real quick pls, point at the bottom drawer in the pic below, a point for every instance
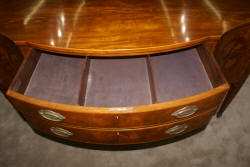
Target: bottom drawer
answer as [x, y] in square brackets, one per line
[123, 136]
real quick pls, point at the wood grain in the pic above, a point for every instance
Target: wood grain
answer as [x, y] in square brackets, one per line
[136, 116]
[26, 50]
[126, 28]
[233, 55]
[118, 27]
[104, 117]
[10, 60]
[124, 136]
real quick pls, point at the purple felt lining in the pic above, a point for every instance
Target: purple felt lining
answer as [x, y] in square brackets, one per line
[178, 75]
[56, 79]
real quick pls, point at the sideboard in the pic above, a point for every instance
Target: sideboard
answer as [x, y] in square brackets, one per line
[116, 72]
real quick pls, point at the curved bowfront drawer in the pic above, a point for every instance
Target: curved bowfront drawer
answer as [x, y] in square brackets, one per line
[87, 92]
[123, 136]
[138, 116]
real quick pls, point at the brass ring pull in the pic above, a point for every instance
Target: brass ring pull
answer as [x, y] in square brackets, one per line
[51, 115]
[185, 112]
[61, 132]
[177, 129]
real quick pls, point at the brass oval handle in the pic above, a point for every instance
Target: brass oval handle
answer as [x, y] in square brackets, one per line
[177, 129]
[61, 132]
[185, 112]
[51, 115]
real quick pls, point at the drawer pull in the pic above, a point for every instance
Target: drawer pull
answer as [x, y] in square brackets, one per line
[177, 129]
[61, 132]
[185, 112]
[51, 115]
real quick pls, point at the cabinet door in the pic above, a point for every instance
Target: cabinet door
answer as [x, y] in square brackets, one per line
[232, 53]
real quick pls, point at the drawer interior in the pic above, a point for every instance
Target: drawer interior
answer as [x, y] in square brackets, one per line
[117, 81]
[179, 75]
[54, 78]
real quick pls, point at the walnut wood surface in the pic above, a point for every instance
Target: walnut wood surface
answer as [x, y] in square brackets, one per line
[10, 60]
[116, 81]
[124, 136]
[233, 55]
[118, 27]
[103, 117]
[26, 50]
[121, 125]
[110, 117]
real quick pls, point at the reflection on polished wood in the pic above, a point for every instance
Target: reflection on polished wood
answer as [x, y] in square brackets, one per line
[118, 27]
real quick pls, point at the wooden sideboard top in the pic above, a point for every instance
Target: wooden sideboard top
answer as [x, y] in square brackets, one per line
[118, 27]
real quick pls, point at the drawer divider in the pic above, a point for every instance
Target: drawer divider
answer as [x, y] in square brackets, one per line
[151, 80]
[84, 80]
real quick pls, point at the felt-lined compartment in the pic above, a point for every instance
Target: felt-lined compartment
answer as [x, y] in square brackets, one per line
[56, 78]
[179, 74]
[117, 82]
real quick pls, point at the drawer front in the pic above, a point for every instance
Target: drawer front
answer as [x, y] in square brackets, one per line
[116, 119]
[123, 136]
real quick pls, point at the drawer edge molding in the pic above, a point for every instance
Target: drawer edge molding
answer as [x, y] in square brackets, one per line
[142, 116]
[123, 110]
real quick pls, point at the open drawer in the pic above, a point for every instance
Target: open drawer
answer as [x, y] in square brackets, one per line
[118, 92]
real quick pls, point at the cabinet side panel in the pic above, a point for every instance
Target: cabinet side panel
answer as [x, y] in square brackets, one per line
[10, 60]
